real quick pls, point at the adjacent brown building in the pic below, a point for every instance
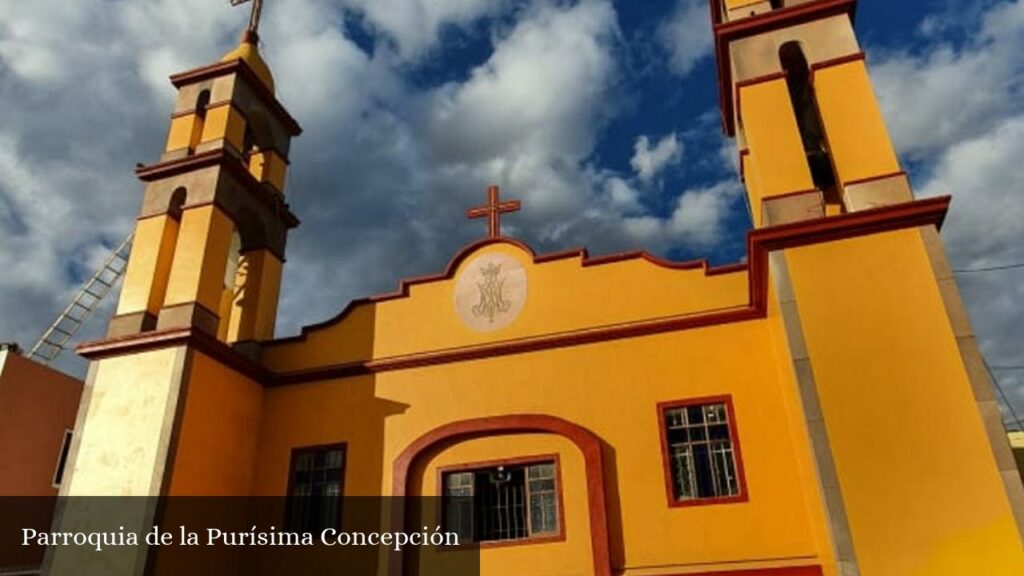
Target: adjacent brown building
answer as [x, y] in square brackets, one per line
[38, 406]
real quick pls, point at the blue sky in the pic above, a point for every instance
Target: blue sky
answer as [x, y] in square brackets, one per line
[600, 115]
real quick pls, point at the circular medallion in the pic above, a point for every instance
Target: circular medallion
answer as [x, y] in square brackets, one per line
[490, 292]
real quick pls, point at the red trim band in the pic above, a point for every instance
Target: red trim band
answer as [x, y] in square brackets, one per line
[784, 571]
[817, 66]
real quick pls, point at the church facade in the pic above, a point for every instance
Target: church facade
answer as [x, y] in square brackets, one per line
[820, 409]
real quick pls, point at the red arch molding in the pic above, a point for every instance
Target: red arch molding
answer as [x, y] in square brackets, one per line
[588, 443]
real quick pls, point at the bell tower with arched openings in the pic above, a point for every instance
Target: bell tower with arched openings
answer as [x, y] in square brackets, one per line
[795, 93]
[210, 239]
[815, 154]
[199, 298]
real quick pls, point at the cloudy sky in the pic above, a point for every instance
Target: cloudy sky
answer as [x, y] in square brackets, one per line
[600, 115]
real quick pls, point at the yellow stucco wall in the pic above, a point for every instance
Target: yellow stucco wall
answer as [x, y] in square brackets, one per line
[754, 194]
[224, 122]
[216, 448]
[184, 132]
[562, 296]
[611, 388]
[919, 481]
[268, 166]
[777, 152]
[200, 258]
[796, 416]
[145, 282]
[857, 136]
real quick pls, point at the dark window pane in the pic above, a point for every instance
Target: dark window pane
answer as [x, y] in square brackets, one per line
[679, 435]
[316, 489]
[695, 414]
[702, 466]
[719, 432]
[501, 503]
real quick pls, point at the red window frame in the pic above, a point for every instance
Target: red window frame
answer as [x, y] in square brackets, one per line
[663, 407]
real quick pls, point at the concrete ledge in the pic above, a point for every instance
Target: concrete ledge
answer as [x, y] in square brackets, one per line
[877, 192]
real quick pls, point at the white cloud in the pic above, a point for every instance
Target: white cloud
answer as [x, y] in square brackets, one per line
[686, 35]
[649, 162]
[415, 25]
[540, 94]
[623, 195]
[700, 214]
[948, 93]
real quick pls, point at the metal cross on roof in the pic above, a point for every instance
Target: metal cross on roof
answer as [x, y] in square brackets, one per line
[493, 211]
[254, 17]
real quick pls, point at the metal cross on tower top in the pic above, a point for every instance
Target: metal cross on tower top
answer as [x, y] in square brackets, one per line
[493, 211]
[254, 18]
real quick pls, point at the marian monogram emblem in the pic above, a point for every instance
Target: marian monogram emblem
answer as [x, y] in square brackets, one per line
[491, 302]
[490, 292]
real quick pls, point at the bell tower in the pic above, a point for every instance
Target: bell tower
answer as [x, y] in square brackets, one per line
[173, 394]
[210, 238]
[200, 295]
[796, 95]
[866, 303]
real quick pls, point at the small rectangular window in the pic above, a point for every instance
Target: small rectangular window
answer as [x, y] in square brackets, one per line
[316, 487]
[502, 502]
[62, 458]
[701, 451]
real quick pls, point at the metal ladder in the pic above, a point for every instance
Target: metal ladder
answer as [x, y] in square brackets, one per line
[55, 339]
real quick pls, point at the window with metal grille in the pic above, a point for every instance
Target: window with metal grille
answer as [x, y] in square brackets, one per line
[316, 487]
[701, 451]
[502, 503]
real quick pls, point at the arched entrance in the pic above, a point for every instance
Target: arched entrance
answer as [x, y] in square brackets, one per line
[587, 442]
